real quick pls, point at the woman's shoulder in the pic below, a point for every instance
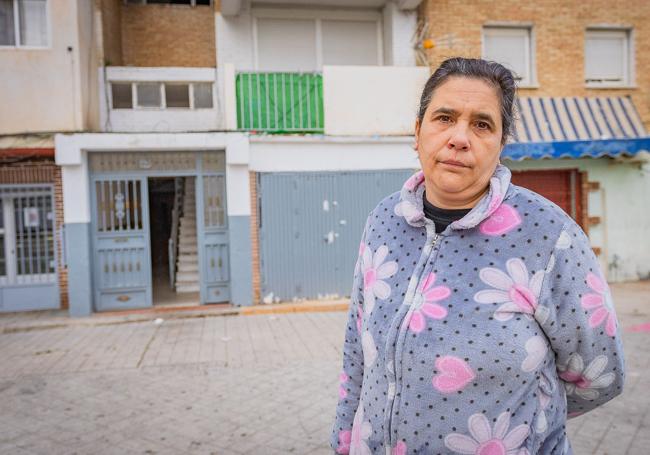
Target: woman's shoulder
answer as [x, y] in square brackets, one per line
[385, 208]
[531, 204]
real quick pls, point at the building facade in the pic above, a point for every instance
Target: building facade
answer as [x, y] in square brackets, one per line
[229, 151]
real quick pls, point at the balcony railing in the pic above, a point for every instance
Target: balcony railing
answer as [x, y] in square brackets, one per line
[280, 102]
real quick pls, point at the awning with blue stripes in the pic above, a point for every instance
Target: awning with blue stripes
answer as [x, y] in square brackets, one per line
[575, 127]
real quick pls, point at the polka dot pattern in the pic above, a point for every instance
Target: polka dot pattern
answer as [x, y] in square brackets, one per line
[482, 326]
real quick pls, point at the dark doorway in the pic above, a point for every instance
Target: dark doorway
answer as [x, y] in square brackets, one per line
[161, 204]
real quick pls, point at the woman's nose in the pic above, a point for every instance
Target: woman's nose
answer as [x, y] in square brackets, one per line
[458, 139]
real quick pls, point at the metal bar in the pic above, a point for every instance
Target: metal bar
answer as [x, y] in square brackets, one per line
[101, 204]
[268, 113]
[20, 236]
[240, 117]
[30, 243]
[300, 77]
[259, 102]
[316, 102]
[110, 205]
[48, 234]
[136, 203]
[309, 78]
[275, 100]
[250, 101]
[127, 203]
[291, 107]
[284, 101]
[38, 236]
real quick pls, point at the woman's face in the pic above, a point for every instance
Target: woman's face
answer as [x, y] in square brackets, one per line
[459, 141]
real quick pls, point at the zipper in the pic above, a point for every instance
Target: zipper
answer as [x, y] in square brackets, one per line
[429, 249]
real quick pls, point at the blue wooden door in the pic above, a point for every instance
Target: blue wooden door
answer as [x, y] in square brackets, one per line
[122, 261]
[212, 231]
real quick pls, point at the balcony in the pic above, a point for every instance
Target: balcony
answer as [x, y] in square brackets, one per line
[136, 99]
[280, 102]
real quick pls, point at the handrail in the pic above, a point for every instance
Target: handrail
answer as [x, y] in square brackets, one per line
[172, 244]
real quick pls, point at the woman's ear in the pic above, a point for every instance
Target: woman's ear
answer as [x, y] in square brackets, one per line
[417, 134]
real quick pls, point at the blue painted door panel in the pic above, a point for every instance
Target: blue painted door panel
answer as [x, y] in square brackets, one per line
[122, 260]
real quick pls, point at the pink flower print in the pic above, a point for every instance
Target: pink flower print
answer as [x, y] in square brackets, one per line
[601, 302]
[485, 440]
[424, 303]
[343, 378]
[504, 219]
[582, 381]
[414, 180]
[361, 431]
[357, 268]
[399, 449]
[408, 210]
[359, 319]
[374, 272]
[515, 291]
[345, 437]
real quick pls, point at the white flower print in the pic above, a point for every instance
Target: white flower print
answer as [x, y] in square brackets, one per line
[516, 291]
[374, 272]
[361, 431]
[582, 381]
[369, 349]
[489, 441]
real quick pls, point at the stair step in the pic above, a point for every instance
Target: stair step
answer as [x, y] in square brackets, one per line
[188, 268]
[187, 231]
[187, 276]
[188, 248]
[183, 288]
[188, 259]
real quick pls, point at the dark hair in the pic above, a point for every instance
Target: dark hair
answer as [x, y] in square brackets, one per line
[493, 73]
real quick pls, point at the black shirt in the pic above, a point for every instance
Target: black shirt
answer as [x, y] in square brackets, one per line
[441, 217]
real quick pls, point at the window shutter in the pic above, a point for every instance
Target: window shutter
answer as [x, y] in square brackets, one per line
[349, 42]
[286, 45]
[511, 48]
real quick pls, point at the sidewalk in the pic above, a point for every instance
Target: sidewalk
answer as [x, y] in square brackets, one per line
[220, 381]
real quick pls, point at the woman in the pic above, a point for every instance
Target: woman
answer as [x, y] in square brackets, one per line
[479, 318]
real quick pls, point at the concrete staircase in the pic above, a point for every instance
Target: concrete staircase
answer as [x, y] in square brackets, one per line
[187, 263]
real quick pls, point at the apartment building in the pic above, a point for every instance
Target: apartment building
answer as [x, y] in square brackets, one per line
[47, 87]
[229, 151]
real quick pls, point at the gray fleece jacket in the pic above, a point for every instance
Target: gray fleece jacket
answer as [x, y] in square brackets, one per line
[481, 340]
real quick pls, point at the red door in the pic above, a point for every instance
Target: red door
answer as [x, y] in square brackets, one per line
[562, 186]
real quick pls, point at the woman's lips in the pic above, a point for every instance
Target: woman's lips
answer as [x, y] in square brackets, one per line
[453, 163]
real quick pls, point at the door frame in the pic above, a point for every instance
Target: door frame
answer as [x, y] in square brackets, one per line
[197, 174]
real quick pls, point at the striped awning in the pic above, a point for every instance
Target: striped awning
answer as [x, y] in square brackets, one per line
[575, 127]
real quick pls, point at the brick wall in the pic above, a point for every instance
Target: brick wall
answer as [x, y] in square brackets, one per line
[255, 242]
[168, 35]
[112, 31]
[43, 172]
[559, 28]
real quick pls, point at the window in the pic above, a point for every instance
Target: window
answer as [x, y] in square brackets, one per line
[148, 95]
[608, 58]
[311, 40]
[202, 96]
[122, 96]
[513, 48]
[177, 95]
[23, 23]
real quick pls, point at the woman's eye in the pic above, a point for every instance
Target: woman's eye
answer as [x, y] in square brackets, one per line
[444, 118]
[483, 125]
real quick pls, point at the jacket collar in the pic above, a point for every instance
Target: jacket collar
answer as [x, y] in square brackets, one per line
[411, 204]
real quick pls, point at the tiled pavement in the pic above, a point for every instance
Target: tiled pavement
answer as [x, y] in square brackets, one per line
[263, 384]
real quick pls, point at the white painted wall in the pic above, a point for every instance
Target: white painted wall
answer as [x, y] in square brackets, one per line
[368, 101]
[303, 153]
[624, 207]
[45, 89]
[399, 26]
[159, 120]
[234, 36]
